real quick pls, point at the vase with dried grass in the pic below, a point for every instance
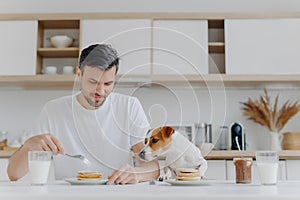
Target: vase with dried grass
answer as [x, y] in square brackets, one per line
[264, 113]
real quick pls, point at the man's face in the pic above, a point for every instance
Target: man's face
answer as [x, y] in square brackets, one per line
[96, 85]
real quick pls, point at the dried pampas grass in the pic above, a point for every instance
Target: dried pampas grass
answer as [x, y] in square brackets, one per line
[262, 112]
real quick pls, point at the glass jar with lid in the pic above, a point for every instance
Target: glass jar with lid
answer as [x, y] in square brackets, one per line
[3, 139]
[200, 136]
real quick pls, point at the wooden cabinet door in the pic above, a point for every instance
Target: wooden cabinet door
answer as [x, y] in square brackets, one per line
[130, 37]
[18, 47]
[262, 46]
[180, 47]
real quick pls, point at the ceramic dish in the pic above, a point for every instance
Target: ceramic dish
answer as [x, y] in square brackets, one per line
[74, 181]
[187, 183]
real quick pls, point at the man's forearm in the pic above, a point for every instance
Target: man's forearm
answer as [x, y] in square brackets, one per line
[18, 164]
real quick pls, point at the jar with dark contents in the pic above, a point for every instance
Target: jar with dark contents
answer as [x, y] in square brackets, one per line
[3, 139]
[243, 168]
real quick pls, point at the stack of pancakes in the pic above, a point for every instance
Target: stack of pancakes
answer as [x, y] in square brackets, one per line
[187, 174]
[88, 176]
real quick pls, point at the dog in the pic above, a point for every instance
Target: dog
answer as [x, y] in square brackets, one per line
[179, 152]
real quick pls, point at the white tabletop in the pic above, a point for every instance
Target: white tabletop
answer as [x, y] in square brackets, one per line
[61, 190]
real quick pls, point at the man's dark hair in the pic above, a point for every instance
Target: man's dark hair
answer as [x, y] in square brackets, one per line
[102, 56]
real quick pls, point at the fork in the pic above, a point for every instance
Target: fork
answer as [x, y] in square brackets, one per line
[80, 157]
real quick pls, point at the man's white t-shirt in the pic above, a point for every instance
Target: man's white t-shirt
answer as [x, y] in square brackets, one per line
[104, 136]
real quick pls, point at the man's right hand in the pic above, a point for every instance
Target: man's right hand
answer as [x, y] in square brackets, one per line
[18, 162]
[44, 142]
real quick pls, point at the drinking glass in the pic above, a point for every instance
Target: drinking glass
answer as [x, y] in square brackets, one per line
[267, 163]
[243, 168]
[39, 164]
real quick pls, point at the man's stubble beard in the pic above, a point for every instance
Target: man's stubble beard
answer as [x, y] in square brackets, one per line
[92, 103]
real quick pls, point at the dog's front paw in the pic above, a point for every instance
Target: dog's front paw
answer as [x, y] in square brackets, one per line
[163, 178]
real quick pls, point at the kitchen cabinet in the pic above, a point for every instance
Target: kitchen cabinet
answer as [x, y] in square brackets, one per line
[216, 169]
[131, 37]
[292, 169]
[180, 47]
[262, 46]
[3, 168]
[18, 47]
[220, 35]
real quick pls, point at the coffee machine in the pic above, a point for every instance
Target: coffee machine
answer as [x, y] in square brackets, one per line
[237, 130]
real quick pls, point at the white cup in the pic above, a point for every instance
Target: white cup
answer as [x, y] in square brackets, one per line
[68, 70]
[267, 163]
[50, 70]
[39, 164]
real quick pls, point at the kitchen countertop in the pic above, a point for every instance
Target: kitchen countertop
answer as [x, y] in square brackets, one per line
[218, 155]
[6, 154]
[226, 190]
[230, 154]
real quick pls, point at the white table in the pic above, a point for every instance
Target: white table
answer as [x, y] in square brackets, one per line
[61, 190]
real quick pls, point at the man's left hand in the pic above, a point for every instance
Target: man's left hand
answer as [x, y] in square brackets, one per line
[125, 175]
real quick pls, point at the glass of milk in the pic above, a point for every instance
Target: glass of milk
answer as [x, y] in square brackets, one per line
[267, 163]
[39, 164]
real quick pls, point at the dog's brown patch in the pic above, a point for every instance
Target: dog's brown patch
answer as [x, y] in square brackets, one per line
[161, 139]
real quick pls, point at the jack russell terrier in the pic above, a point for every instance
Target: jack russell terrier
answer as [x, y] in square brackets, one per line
[178, 151]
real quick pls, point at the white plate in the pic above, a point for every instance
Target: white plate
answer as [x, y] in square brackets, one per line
[74, 181]
[187, 183]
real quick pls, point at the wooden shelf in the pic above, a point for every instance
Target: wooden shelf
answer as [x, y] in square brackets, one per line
[60, 24]
[59, 82]
[72, 52]
[222, 80]
[230, 154]
[216, 47]
[215, 24]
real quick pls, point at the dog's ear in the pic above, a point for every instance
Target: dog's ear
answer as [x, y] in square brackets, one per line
[168, 131]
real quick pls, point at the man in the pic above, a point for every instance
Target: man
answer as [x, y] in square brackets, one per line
[95, 122]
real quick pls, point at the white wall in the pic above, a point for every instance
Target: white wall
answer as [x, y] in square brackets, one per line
[19, 108]
[162, 105]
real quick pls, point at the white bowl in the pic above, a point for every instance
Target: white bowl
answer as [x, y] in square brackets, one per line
[68, 70]
[50, 70]
[61, 41]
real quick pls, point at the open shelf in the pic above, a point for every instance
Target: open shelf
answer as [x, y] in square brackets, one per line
[48, 28]
[60, 82]
[216, 47]
[71, 52]
[59, 24]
